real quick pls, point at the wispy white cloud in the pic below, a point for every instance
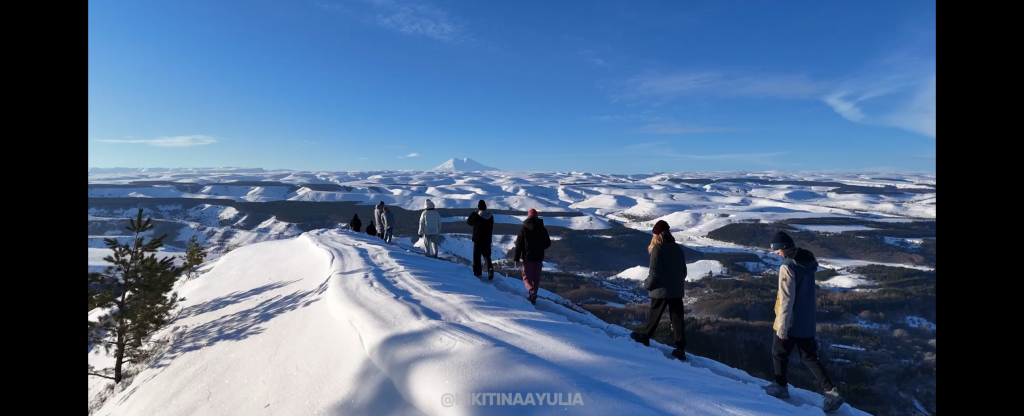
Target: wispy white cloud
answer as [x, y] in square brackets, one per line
[172, 141]
[909, 106]
[666, 86]
[761, 158]
[645, 146]
[845, 107]
[677, 128]
[410, 155]
[407, 17]
[591, 56]
[656, 123]
[648, 116]
[896, 90]
[664, 149]
[918, 115]
[329, 6]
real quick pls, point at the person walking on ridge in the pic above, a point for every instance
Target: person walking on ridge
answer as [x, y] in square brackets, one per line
[665, 283]
[483, 227]
[430, 229]
[795, 326]
[389, 224]
[355, 224]
[378, 219]
[531, 242]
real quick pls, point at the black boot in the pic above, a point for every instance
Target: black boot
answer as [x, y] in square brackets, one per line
[640, 338]
[490, 274]
[679, 354]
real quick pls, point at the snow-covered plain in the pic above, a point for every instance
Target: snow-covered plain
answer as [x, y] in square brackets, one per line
[584, 222]
[694, 271]
[636, 200]
[691, 208]
[333, 322]
[846, 280]
[96, 255]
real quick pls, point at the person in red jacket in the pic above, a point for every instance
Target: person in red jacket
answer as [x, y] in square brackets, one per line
[531, 242]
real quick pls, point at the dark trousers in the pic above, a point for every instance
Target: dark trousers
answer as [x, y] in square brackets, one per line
[782, 348]
[675, 313]
[480, 250]
[531, 275]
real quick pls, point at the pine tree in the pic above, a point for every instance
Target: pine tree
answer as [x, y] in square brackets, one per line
[193, 257]
[138, 292]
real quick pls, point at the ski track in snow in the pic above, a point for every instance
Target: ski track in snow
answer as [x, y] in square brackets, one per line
[339, 323]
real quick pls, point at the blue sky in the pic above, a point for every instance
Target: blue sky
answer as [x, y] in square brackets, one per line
[597, 86]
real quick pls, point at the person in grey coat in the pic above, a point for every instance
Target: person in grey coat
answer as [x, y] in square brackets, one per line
[389, 224]
[665, 284]
[378, 219]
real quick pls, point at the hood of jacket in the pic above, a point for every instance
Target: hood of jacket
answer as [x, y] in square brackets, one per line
[429, 204]
[484, 214]
[380, 205]
[532, 222]
[667, 237]
[804, 258]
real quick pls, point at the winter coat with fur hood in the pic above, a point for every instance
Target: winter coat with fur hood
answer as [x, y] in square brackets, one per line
[378, 217]
[430, 220]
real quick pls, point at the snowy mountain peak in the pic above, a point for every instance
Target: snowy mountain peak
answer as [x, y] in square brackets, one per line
[464, 164]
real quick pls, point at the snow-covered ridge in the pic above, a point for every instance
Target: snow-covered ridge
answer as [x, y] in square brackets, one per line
[339, 323]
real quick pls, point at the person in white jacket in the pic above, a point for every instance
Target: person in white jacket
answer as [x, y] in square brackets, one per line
[430, 229]
[378, 219]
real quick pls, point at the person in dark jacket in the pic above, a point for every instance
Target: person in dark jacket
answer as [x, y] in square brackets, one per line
[795, 326]
[483, 227]
[665, 284]
[531, 242]
[355, 224]
[370, 229]
[389, 224]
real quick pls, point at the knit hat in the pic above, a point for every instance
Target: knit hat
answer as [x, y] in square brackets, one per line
[532, 213]
[782, 241]
[481, 205]
[660, 226]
